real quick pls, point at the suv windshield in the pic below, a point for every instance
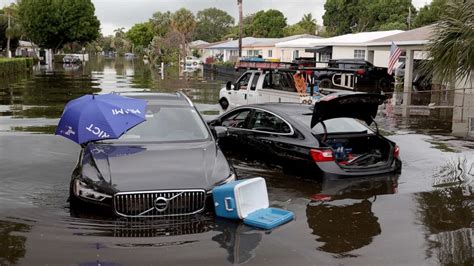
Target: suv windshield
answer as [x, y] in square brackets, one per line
[169, 123]
[335, 125]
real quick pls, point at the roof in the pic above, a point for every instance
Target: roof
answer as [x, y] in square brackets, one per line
[196, 43]
[256, 42]
[25, 44]
[234, 44]
[274, 41]
[412, 37]
[205, 45]
[343, 40]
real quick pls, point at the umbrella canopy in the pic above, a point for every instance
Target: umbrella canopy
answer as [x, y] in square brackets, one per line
[97, 117]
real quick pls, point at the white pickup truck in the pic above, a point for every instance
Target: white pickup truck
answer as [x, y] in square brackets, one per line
[257, 86]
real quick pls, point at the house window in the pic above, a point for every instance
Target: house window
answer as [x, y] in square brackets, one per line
[359, 54]
[325, 57]
[296, 54]
[270, 53]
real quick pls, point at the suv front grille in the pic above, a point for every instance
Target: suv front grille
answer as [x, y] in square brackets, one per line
[159, 203]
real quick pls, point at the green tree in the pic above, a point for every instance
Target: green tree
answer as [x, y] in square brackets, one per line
[53, 23]
[308, 23]
[10, 28]
[141, 34]
[429, 13]
[212, 24]
[294, 29]
[161, 23]
[366, 15]
[184, 23]
[452, 44]
[119, 42]
[268, 24]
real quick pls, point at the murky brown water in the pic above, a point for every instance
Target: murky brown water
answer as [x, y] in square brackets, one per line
[422, 216]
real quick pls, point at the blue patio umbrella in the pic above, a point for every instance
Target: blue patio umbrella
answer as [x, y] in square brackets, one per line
[97, 117]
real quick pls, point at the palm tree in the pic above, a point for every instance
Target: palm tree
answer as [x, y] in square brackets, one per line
[308, 23]
[13, 29]
[452, 44]
[183, 22]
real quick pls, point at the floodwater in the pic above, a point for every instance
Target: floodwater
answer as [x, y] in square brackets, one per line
[422, 216]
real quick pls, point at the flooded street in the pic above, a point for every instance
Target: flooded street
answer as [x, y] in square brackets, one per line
[422, 216]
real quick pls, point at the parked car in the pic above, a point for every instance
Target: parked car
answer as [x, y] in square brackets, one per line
[165, 166]
[331, 139]
[369, 77]
[71, 59]
[192, 62]
[421, 80]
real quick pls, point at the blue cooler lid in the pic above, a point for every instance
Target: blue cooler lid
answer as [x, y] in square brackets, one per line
[268, 218]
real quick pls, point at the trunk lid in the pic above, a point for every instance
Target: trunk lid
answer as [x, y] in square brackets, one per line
[362, 106]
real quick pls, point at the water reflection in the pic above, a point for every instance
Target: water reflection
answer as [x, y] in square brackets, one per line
[341, 214]
[12, 245]
[140, 227]
[447, 213]
[41, 96]
[239, 240]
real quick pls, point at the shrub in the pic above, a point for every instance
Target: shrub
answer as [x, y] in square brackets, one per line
[15, 65]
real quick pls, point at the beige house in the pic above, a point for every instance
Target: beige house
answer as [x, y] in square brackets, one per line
[268, 49]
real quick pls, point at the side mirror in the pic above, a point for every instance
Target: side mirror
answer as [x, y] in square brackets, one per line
[228, 85]
[219, 132]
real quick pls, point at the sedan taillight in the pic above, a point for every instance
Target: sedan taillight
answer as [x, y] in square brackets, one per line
[396, 152]
[322, 155]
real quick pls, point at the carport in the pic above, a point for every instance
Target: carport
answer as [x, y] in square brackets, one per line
[410, 42]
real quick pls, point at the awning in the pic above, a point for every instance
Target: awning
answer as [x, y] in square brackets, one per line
[319, 49]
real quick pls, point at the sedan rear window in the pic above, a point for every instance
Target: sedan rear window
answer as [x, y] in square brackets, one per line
[335, 125]
[169, 123]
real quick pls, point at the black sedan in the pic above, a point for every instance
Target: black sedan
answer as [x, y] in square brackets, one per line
[165, 166]
[330, 139]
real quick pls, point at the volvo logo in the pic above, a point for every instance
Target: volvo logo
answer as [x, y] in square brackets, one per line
[161, 204]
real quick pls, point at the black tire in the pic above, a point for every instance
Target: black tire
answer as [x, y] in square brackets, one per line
[325, 83]
[224, 103]
[384, 85]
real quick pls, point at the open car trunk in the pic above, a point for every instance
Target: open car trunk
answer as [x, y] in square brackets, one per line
[360, 151]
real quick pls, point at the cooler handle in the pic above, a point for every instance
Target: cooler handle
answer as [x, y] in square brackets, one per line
[229, 204]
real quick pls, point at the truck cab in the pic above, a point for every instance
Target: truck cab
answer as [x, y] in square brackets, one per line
[260, 86]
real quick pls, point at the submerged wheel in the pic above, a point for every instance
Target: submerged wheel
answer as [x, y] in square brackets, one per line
[224, 103]
[325, 83]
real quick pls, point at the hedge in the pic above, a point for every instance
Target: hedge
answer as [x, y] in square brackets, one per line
[15, 65]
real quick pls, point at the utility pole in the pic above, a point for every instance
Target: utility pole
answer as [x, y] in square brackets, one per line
[9, 54]
[409, 17]
[239, 4]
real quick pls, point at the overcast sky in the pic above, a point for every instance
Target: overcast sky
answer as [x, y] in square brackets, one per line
[124, 13]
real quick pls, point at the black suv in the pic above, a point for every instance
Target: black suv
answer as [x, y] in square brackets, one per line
[165, 166]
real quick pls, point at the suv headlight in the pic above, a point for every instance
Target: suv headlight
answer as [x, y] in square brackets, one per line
[83, 190]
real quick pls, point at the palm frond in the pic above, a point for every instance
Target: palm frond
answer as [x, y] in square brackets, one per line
[451, 47]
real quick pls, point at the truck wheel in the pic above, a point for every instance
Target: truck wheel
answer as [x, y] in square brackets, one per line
[224, 103]
[384, 85]
[325, 83]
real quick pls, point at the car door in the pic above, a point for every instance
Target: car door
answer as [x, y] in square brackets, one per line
[266, 131]
[255, 85]
[241, 87]
[236, 123]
